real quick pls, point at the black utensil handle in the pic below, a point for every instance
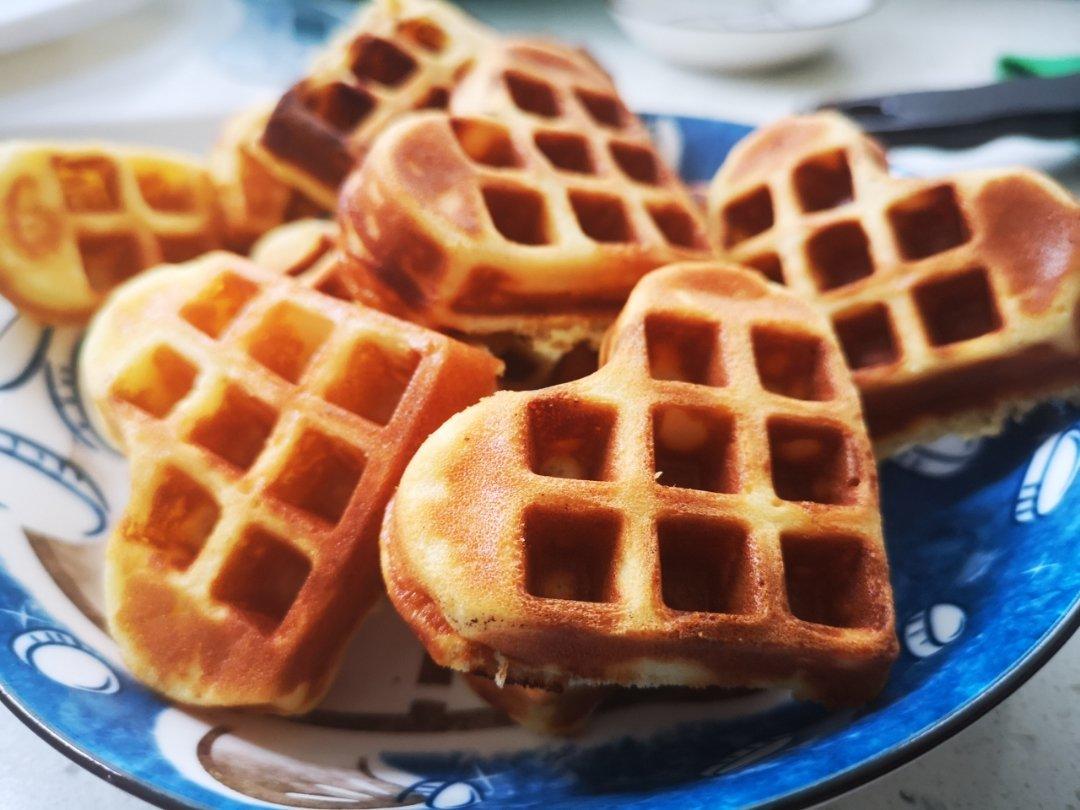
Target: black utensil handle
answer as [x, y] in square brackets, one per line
[1038, 107]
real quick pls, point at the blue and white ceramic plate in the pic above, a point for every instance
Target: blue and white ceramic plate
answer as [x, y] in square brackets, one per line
[982, 536]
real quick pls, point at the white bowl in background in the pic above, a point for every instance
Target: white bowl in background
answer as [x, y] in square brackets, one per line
[736, 34]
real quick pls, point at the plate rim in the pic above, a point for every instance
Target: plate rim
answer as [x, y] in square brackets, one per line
[837, 785]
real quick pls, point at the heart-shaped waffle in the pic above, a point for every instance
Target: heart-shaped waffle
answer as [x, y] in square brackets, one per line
[267, 425]
[703, 510]
[399, 56]
[77, 219]
[955, 299]
[536, 221]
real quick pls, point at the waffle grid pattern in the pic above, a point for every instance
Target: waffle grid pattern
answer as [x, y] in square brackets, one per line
[553, 206]
[89, 218]
[704, 431]
[258, 378]
[895, 262]
[253, 199]
[951, 297]
[703, 510]
[537, 192]
[590, 160]
[402, 56]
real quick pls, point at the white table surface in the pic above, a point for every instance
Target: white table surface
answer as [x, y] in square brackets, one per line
[173, 69]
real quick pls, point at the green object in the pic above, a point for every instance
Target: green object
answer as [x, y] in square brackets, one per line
[1020, 67]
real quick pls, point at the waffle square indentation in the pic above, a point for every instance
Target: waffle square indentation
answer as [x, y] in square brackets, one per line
[109, 258]
[704, 565]
[566, 150]
[485, 142]
[218, 303]
[569, 438]
[812, 462]
[571, 554]
[748, 216]
[604, 108]
[156, 381]
[824, 181]
[791, 363]
[601, 217]
[380, 60]
[320, 475]
[839, 255]
[262, 577]
[238, 428]
[373, 380]
[693, 448]
[88, 183]
[928, 222]
[867, 337]
[532, 95]
[957, 307]
[287, 338]
[683, 350]
[676, 225]
[827, 580]
[182, 516]
[637, 162]
[518, 213]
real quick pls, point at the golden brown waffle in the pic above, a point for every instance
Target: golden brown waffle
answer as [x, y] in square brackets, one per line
[400, 56]
[267, 425]
[253, 199]
[703, 510]
[80, 218]
[308, 251]
[536, 223]
[955, 298]
[562, 713]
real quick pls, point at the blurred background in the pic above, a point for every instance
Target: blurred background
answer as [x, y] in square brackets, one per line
[168, 71]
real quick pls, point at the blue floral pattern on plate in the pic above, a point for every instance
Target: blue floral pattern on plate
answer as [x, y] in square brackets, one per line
[985, 565]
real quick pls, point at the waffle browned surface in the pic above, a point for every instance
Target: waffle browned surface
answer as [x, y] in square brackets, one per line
[401, 55]
[267, 425]
[308, 251]
[253, 200]
[536, 220]
[955, 299]
[703, 510]
[78, 219]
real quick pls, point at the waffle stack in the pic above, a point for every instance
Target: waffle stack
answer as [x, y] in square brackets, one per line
[703, 510]
[267, 425]
[700, 510]
[954, 298]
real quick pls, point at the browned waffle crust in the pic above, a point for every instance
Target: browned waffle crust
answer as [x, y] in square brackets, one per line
[703, 510]
[956, 299]
[78, 219]
[400, 56]
[534, 219]
[267, 425]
